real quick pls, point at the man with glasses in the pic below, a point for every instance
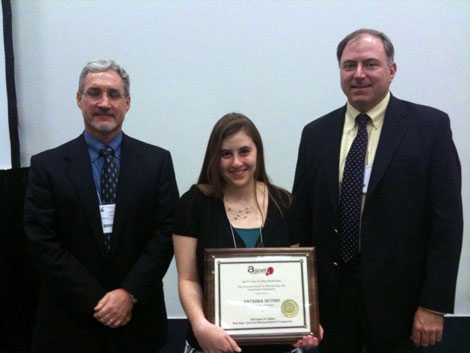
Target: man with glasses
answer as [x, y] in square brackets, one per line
[98, 217]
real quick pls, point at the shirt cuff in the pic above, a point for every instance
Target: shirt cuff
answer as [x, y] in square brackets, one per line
[433, 311]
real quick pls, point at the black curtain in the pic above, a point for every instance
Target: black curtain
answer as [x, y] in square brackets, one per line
[10, 82]
[19, 285]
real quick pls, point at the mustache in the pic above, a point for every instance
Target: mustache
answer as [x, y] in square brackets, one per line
[101, 113]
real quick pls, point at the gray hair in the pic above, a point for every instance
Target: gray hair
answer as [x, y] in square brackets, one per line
[388, 46]
[101, 66]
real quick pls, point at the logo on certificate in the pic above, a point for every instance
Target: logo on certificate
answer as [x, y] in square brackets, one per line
[289, 308]
[255, 271]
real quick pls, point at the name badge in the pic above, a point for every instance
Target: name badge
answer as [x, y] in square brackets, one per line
[107, 217]
[367, 172]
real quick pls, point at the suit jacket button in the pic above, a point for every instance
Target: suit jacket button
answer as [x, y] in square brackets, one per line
[335, 230]
[335, 263]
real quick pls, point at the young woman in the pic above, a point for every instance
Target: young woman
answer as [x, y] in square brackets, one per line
[233, 205]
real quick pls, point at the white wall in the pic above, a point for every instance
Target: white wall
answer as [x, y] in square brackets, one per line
[191, 62]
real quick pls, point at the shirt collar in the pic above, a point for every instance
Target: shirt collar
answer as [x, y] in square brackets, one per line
[94, 145]
[376, 114]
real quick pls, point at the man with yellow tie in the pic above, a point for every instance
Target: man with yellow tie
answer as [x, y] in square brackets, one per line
[378, 193]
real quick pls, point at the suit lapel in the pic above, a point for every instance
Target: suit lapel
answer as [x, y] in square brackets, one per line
[332, 151]
[79, 172]
[130, 169]
[393, 131]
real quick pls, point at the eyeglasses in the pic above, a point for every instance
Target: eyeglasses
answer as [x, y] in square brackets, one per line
[97, 94]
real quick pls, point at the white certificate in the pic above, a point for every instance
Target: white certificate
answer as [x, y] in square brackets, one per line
[260, 293]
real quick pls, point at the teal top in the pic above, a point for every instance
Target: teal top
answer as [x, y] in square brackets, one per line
[249, 235]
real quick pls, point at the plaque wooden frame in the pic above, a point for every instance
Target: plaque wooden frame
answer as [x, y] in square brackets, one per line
[288, 337]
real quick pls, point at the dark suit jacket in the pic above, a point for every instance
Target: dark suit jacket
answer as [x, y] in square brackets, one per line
[412, 219]
[63, 229]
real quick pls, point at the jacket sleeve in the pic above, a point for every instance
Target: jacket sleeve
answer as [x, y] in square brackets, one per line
[300, 215]
[60, 270]
[151, 266]
[446, 220]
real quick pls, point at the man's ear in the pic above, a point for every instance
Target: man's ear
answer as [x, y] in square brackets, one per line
[79, 98]
[393, 71]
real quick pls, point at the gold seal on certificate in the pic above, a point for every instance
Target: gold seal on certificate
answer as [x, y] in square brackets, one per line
[289, 308]
[262, 295]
